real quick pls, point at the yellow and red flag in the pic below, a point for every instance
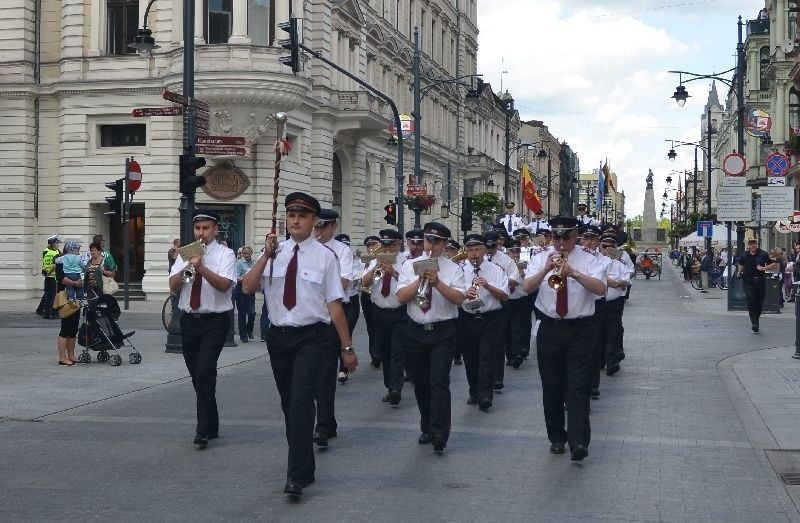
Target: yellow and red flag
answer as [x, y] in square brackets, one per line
[529, 193]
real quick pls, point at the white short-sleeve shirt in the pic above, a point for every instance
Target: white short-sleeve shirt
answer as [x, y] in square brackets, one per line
[219, 260]
[451, 274]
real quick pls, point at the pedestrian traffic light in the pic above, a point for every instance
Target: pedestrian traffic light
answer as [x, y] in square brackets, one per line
[391, 213]
[466, 213]
[116, 202]
[189, 180]
[292, 44]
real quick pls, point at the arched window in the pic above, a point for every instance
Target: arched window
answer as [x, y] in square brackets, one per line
[336, 185]
[764, 59]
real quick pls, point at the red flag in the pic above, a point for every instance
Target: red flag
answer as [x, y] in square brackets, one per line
[609, 181]
[529, 194]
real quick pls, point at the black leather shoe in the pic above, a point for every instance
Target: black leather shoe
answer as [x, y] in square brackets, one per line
[485, 404]
[439, 443]
[425, 439]
[579, 452]
[321, 440]
[557, 447]
[293, 488]
[594, 393]
[621, 356]
[201, 440]
[244, 339]
[612, 369]
[498, 385]
[517, 361]
[376, 362]
[394, 397]
[472, 400]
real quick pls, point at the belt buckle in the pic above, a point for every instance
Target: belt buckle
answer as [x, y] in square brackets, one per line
[427, 326]
[196, 315]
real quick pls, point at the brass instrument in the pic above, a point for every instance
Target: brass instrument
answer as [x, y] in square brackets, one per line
[555, 281]
[188, 274]
[196, 248]
[613, 253]
[460, 256]
[521, 266]
[538, 241]
[384, 255]
[420, 267]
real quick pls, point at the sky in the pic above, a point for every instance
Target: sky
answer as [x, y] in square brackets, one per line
[597, 74]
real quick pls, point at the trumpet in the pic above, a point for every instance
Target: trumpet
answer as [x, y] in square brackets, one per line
[378, 271]
[556, 281]
[188, 274]
[460, 256]
[420, 267]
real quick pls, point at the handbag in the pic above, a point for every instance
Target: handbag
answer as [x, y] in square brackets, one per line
[67, 310]
[110, 285]
[60, 299]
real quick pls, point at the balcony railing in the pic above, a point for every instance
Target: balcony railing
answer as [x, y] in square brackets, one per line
[758, 27]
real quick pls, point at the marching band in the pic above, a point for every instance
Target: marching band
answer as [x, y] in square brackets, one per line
[558, 282]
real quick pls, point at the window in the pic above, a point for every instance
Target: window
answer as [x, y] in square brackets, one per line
[764, 60]
[422, 19]
[258, 26]
[219, 21]
[794, 112]
[336, 185]
[123, 22]
[124, 135]
[791, 28]
[411, 17]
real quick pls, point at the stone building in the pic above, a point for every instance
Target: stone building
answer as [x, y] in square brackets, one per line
[71, 81]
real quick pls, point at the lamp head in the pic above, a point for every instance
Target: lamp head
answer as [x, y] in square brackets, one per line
[144, 43]
[669, 180]
[542, 153]
[672, 155]
[680, 96]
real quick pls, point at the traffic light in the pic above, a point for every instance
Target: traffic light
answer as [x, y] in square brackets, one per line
[116, 202]
[391, 213]
[189, 180]
[292, 44]
[466, 213]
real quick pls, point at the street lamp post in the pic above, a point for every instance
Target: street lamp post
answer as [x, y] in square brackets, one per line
[508, 109]
[736, 296]
[542, 154]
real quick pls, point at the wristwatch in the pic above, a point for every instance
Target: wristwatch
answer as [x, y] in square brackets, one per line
[348, 349]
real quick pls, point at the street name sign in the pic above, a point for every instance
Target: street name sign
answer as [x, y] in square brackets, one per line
[171, 110]
[222, 150]
[178, 98]
[734, 204]
[221, 140]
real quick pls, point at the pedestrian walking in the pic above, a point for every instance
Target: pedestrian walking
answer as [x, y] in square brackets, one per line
[303, 291]
[752, 266]
[706, 264]
[206, 302]
[429, 340]
[245, 303]
[565, 335]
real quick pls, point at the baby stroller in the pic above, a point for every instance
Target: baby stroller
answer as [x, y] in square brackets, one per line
[100, 332]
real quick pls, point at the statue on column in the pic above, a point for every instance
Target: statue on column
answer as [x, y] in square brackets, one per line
[649, 178]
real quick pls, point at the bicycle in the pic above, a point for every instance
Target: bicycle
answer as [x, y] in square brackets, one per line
[166, 310]
[715, 279]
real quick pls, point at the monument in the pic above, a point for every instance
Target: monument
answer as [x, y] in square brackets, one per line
[649, 224]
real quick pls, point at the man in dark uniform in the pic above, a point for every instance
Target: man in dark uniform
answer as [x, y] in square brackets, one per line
[206, 303]
[565, 336]
[302, 308]
[752, 267]
[429, 340]
[388, 313]
[45, 308]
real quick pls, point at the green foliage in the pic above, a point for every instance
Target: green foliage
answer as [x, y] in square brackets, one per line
[486, 205]
[635, 222]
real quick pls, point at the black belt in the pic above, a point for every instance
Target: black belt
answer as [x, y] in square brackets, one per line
[401, 308]
[205, 315]
[488, 315]
[297, 329]
[547, 320]
[436, 325]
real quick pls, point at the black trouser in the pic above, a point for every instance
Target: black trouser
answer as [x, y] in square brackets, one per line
[519, 327]
[246, 305]
[479, 344]
[564, 353]
[46, 303]
[607, 346]
[367, 306]
[326, 388]
[754, 289]
[429, 356]
[295, 354]
[203, 336]
[500, 350]
[264, 321]
[386, 322]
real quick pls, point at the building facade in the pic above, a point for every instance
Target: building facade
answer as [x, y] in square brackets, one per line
[71, 82]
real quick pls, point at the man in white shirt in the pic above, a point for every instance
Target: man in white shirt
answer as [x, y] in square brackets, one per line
[206, 303]
[510, 221]
[565, 333]
[519, 307]
[414, 245]
[584, 218]
[388, 314]
[324, 230]
[429, 340]
[370, 242]
[304, 294]
[537, 224]
[610, 311]
[495, 255]
[479, 321]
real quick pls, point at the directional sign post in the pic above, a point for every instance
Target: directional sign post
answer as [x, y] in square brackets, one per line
[171, 110]
[178, 98]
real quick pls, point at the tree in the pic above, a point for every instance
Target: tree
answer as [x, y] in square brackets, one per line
[486, 206]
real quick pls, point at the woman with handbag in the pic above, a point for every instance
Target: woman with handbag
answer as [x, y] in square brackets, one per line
[99, 273]
[70, 323]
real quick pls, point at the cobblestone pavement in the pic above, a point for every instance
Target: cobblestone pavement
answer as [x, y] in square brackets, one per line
[696, 427]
